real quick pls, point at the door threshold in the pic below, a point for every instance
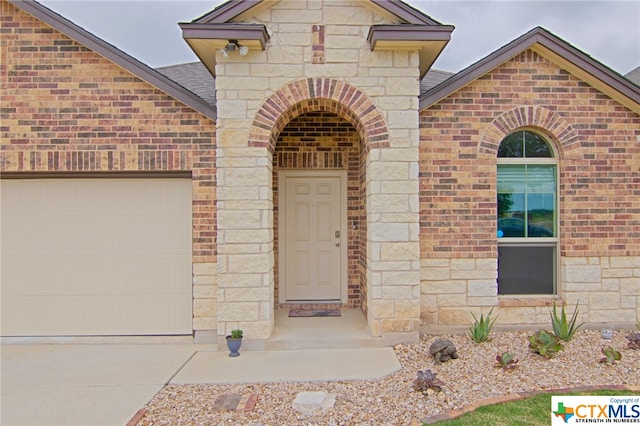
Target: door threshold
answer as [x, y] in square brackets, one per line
[314, 305]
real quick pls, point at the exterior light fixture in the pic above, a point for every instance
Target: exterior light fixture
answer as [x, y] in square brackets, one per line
[232, 46]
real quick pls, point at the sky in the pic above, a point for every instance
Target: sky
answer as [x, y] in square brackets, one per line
[607, 30]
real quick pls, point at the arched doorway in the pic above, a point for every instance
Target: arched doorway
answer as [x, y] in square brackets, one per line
[353, 113]
[319, 212]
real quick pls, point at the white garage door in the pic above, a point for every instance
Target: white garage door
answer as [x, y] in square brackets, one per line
[96, 256]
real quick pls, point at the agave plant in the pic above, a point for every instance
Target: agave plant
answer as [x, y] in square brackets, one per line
[506, 361]
[545, 343]
[610, 355]
[481, 328]
[563, 328]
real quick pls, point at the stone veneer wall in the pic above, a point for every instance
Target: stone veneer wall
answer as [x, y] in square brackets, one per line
[607, 290]
[597, 142]
[67, 109]
[258, 95]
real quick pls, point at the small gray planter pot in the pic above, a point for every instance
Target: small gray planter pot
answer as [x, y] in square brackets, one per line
[234, 346]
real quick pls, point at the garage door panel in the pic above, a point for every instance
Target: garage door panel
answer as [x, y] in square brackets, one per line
[120, 315]
[107, 256]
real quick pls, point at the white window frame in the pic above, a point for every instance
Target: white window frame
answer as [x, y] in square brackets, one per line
[536, 241]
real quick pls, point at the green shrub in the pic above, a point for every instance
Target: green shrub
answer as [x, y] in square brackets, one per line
[236, 334]
[564, 329]
[481, 328]
[545, 343]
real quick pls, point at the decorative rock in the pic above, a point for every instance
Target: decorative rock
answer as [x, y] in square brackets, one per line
[313, 403]
[607, 333]
[443, 350]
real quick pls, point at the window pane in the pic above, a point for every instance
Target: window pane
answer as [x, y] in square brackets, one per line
[526, 200]
[524, 144]
[511, 200]
[512, 146]
[541, 200]
[536, 146]
[526, 270]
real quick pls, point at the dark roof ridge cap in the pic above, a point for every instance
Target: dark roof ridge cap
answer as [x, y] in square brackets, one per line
[115, 55]
[405, 11]
[226, 12]
[545, 38]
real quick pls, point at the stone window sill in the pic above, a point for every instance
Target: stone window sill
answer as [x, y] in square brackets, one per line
[510, 302]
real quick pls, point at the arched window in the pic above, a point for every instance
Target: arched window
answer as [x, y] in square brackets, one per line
[527, 214]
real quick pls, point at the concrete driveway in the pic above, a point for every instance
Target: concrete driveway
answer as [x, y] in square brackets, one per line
[84, 384]
[106, 384]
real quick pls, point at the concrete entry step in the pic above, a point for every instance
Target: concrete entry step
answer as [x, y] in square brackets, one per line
[350, 330]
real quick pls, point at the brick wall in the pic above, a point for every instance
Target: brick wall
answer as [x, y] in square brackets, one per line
[65, 108]
[324, 141]
[599, 173]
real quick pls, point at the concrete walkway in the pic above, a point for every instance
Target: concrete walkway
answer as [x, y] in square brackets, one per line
[289, 366]
[105, 384]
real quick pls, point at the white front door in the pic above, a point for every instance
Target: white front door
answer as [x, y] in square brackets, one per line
[312, 240]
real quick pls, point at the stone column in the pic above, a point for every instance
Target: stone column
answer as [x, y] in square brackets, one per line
[245, 295]
[394, 248]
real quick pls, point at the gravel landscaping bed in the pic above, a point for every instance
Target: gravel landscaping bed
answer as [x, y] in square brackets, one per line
[391, 399]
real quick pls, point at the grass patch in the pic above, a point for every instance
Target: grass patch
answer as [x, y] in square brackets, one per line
[534, 411]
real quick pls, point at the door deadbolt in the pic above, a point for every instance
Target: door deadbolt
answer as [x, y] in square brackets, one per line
[337, 234]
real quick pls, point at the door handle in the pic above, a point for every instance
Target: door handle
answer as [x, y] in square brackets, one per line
[337, 243]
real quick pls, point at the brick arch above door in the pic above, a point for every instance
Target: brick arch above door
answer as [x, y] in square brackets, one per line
[318, 94]
[528, 116]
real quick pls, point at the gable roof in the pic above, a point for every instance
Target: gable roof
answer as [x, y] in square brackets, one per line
[234, 8]
[557, 51]
[195, 77]
[115, 55]
[224, 24]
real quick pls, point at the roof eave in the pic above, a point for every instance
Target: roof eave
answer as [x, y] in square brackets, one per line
[206, 38]
[226, 32]
[429, 40]
[554, 49]
[115, 55]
